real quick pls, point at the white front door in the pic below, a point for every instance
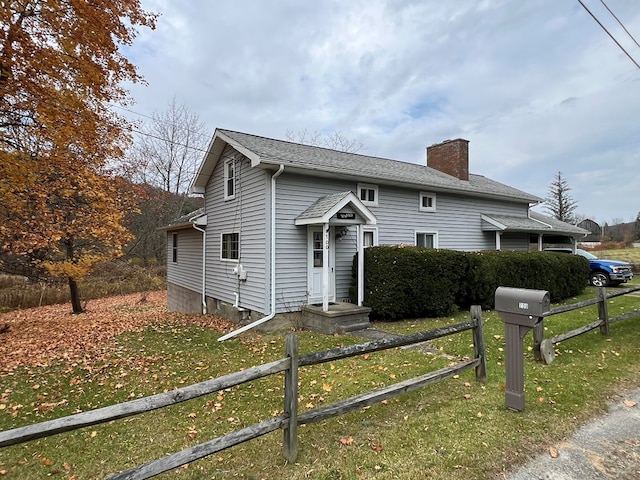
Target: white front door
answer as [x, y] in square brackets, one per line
[317, 241]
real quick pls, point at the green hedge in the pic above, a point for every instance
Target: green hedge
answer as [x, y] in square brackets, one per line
[407, 282]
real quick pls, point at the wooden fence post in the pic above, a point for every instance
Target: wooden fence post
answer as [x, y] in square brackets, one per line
[603, 310]
[478, 343]
[290, 431]
[538, 338]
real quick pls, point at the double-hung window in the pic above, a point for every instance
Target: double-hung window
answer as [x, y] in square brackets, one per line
[230, 246]
[427, 239]
[230, 179]
[368, 194]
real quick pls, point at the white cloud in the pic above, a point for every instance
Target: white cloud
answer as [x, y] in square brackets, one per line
[537, 87]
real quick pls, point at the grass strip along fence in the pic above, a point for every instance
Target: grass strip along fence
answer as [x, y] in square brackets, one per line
[544, 348]
[289, 420]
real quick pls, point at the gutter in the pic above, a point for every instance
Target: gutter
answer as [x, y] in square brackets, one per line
[273, 265]
[204, 265]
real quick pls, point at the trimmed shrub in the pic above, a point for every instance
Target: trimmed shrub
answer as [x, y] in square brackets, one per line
[407, 282]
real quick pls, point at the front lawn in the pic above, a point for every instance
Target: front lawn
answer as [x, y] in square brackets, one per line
[55, 364]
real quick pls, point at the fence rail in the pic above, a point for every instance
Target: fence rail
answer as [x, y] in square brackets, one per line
[544, 348]
[288, 422]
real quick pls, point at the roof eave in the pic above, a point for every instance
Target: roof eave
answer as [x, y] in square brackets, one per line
[212, 156]
[318, 172]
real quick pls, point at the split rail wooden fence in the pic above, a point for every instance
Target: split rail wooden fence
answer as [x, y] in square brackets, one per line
[289, 420]
[544, 348]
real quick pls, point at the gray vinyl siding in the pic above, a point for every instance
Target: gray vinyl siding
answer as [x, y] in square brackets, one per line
[187, 271]
[515, 241]
[346, 248]
[294, 193]
[457, 222]
[245, 214]
[457, 219]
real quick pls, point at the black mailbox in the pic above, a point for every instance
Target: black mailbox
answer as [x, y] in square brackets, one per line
[521, 309]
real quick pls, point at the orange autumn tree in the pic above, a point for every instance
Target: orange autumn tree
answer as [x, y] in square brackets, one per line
[60, 69]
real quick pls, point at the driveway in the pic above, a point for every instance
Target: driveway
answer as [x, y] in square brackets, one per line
[606, 448]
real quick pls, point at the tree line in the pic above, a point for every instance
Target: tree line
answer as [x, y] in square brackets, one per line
[80, 183]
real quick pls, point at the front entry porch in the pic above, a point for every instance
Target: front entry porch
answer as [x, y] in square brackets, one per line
[340, 317]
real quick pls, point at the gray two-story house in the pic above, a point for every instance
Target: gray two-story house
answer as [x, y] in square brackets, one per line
[282, 221]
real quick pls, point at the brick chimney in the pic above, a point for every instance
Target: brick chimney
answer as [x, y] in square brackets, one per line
[450, 157]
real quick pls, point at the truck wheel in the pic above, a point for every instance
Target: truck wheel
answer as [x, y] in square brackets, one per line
[599, 279]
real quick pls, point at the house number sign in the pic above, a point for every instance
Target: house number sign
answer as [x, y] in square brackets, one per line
[346, 216]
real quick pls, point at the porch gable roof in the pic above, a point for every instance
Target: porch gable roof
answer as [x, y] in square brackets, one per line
[324, 208]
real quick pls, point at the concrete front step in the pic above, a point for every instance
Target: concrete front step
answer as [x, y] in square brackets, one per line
[340, 318]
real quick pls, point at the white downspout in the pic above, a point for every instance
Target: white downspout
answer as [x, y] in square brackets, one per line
[273, 265]
[204, 265]
[360, 240]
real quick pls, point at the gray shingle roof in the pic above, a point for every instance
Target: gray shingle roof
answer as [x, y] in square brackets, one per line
[276, 152]
[184, 221]
[536, 222]
[323, 205]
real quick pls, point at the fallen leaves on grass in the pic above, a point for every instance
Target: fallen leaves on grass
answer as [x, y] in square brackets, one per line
[346, 440]
[39, 336]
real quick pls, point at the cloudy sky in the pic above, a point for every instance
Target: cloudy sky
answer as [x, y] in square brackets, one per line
[537, 87]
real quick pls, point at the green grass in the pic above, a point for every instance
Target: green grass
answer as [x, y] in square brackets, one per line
[457, 429]
[631, 255]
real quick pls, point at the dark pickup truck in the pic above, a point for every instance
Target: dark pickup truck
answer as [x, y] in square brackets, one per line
[602, 273]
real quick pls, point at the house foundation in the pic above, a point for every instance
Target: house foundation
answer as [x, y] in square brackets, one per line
[340, 318]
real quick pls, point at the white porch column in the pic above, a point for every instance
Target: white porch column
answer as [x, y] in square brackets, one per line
[498, 234]
[325, 267]
[360, 241]
[540, 242]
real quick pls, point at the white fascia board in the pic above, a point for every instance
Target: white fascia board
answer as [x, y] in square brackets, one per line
[211, 158]
[493, 222]
[255, 159]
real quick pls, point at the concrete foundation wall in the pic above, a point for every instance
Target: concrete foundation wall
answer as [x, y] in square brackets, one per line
[181, 299]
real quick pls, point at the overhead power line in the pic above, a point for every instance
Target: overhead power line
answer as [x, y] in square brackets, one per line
[608, 33]
[618, 20]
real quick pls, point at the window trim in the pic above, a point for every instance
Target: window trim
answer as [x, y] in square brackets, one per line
[174, 247]
[427, 209]
[228, 178]
[426, 232]
[222, 249]
[374, 231]
[368, 186]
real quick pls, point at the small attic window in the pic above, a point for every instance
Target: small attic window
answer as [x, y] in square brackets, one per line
[427, 202]
[368, 194]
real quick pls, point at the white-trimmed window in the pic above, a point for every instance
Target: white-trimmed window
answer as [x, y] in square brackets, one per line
[174, 247]
[368, 194]
[369, 236]
[427, 202]
[230, 246]
[427, 239]
[230, 179]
